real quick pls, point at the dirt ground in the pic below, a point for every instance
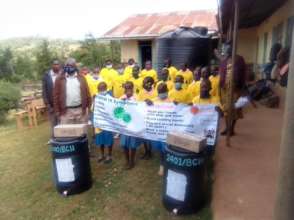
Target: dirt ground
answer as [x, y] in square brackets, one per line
[246, 173]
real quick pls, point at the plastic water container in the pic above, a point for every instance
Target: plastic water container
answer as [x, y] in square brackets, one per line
[71, 165]
[185, 180]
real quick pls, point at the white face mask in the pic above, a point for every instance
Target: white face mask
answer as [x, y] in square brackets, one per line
[109, 66]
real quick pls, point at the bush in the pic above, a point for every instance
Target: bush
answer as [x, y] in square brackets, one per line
[9, 98]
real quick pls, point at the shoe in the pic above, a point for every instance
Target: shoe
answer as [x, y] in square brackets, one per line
[101, 159]
[108, 160]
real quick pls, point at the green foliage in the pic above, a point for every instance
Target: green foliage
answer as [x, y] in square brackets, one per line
[93, 53]
[9, 98]
[43, 58]
[6, 64]
[24, 67]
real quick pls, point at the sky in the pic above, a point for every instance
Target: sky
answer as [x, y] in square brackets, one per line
[73, 19]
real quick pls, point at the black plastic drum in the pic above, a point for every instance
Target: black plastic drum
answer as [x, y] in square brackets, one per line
[185, 181]
[71, 165]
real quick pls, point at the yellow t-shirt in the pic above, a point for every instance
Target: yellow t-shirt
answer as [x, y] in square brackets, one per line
[138, 84]
[143, 95]
[117, 85]
[194, 89]
[188, 76]
[215, 86]
[144, 73]
[169, 83]
[128, 72]
[172, 73]
[180, 96]
[212, 100]
[108, 75]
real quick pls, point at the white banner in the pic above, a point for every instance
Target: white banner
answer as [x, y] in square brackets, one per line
[155, 121]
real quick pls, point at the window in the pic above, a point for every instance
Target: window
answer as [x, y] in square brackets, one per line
[290, 26]
[265, 37]
[278, 34]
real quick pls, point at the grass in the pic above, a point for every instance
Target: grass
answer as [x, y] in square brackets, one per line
[27, 191]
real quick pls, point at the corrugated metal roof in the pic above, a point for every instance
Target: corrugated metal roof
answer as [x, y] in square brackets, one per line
[152, 25]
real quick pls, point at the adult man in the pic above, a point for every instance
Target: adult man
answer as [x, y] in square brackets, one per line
[71, 95]
[47, 91]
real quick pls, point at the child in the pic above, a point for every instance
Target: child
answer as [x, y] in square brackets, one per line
[136, 80]
[118, 80]
[104, 138]
[186, 73]
[148, 71]
[128, 143]
[147, 93]
[179, 94]
[164, 76]
[194, 87]
[162, 91]
[215, 83]
[205, 96]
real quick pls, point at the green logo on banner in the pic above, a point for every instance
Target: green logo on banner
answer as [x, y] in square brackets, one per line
[120, 113]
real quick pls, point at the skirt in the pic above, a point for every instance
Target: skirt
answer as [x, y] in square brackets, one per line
[129, 142]
[158, 145]
[104, 138]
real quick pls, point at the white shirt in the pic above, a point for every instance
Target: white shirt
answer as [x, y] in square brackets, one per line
[53, 76]
[242, 102]
[73, 91]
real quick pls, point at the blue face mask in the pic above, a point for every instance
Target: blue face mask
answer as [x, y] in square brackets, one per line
[163, 95]
[178, 85]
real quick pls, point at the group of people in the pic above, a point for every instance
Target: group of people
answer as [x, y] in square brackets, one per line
[68, 93]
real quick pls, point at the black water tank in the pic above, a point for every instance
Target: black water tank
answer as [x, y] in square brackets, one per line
[184, 181]
[71, 165]
[184, 45]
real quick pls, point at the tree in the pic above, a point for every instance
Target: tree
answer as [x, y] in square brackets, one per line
[6, 64]
[43, 58]
[24, 67]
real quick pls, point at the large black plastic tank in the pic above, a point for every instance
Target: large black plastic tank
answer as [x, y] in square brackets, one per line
[71, 165]
[184, 45]
[185, 180]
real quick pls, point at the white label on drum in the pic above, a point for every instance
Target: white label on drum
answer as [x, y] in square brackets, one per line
[65, 172]
[176, 185]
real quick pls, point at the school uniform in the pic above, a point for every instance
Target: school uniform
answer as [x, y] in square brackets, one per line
[187, 75]
[129, 142]
[144, 94]
[194, 89]
[180, 96]
[138, 84]
[169, 84]
[102, 137]
[172, 73]
[215, 86]
[152, 73]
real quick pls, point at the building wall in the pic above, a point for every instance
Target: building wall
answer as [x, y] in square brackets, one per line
[129, 49]
[247, 44]
[251, 41]
[280, 16]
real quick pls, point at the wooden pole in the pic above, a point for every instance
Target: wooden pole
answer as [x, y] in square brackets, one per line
[285, 192]
[231, 76]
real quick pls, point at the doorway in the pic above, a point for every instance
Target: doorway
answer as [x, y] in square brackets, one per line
[145, 52]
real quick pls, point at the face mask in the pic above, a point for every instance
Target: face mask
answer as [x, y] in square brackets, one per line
[103, 93]
[120, 71]
[109, 66]
[178, 85]
[163, 95]
[69, 70]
